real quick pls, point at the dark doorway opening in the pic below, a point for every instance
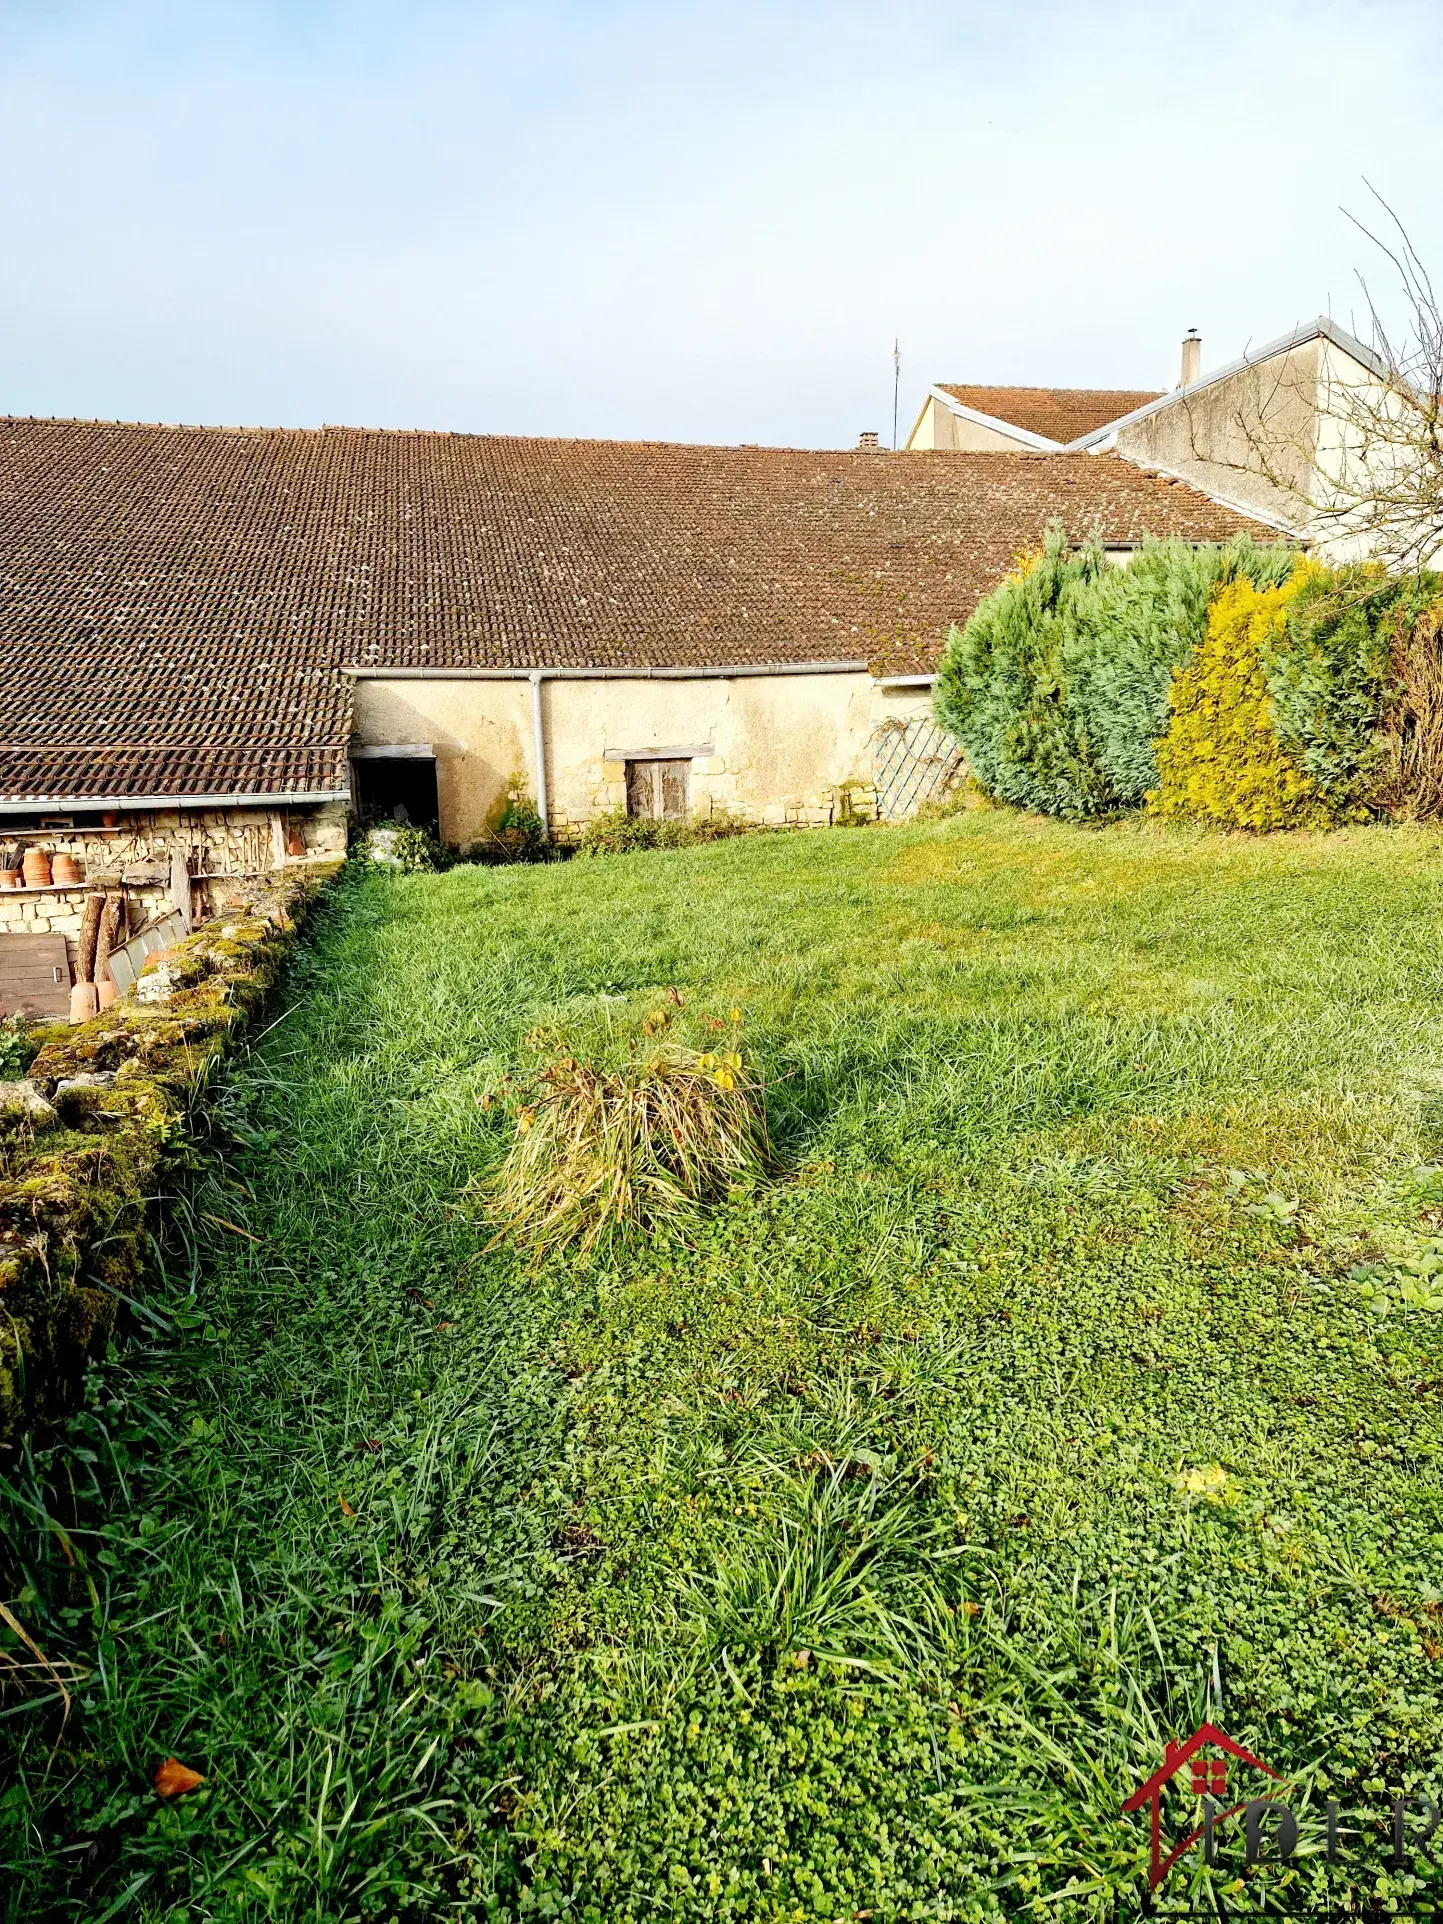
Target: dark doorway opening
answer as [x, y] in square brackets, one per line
[397, 788]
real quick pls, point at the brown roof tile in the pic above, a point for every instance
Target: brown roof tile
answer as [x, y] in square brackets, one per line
[1059, 414]
[176, 603]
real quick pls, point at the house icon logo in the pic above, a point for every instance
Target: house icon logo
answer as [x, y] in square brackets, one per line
[1205, 1756]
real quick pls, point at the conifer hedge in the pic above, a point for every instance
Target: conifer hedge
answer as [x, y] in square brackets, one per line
[1238, 684]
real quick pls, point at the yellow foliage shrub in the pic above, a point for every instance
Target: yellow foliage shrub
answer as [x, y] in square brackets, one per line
[1220, 760]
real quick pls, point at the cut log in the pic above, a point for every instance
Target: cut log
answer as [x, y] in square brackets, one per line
[89, 938]
[111, 935]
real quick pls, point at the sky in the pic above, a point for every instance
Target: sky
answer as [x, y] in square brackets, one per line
[696, 222]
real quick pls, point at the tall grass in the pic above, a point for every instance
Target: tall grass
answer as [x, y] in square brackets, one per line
[599, 1151]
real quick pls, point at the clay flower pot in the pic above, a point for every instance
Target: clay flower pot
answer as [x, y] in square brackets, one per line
[106, 991]
[37, 868]
[9, 878]
[111, 818]
[65, 871]
[84, 1001]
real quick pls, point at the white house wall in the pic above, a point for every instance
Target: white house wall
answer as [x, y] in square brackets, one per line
[1356, 445]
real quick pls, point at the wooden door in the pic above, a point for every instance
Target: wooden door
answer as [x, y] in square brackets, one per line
[657, 791]
[638, 790]
[34, 975]
[672, 777]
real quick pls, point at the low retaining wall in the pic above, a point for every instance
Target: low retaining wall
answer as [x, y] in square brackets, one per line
[84, 1136]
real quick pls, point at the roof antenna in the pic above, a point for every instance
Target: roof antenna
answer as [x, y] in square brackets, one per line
[896, 385]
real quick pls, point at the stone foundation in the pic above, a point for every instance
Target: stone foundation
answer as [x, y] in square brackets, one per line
[714, 792]
[85, 1137]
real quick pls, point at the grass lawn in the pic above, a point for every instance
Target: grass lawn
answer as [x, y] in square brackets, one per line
[852, 1554]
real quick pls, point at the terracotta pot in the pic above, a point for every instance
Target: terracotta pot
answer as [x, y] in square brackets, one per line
[295, 843]
[65, 871]
[9, 878]
[106, 991]
[37, 868]
[84, 1001]
[111, 818]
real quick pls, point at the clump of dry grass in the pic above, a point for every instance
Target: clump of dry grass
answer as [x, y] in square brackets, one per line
[611, 1150]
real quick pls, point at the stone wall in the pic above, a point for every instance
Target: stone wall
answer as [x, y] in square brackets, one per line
[85, 1136]
[223, 846]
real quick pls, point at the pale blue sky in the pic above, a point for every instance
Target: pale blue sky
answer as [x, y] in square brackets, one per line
[688, 221]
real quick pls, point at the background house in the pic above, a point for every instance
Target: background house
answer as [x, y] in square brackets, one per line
[1268, 432]
[1297, 434]
[978, 420]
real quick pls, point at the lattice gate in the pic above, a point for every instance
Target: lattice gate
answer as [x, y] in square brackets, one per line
[915, 762]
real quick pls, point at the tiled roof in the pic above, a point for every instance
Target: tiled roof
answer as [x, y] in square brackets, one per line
[176, 603]
[1059, 414]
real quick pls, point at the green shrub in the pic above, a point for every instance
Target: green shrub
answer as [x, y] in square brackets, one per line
[617, 833]
[405, 846]
[1303, 709]
[18, 1046]
[1057, 688]
[519, 834]
[1328, 673]
[1408, 780]
[1129, 629]
[1001, 689]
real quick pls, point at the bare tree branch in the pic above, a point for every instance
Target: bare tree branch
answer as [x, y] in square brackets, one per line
[1351, 453]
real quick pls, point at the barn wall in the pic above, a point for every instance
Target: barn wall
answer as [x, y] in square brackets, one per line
[783, 748]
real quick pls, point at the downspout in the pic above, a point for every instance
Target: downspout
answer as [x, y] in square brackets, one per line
[539, 735]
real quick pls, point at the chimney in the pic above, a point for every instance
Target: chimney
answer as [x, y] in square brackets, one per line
[868, 443]
[1191, 356]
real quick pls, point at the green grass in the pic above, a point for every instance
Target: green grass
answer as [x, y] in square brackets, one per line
[835, 1553]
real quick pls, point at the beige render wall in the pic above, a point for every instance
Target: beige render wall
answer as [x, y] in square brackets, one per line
[784, 748]
[923, 437]
[481, 733]
[783, 745]
[1209, 437]
[939, 428]
[970, 437]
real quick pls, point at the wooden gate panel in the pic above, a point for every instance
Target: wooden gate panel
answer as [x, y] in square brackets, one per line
[638, 790]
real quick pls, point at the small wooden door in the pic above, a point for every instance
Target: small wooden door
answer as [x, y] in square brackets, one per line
[34, 975]
[657, 791]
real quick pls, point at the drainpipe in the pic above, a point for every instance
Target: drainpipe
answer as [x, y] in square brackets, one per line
[539, 734]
